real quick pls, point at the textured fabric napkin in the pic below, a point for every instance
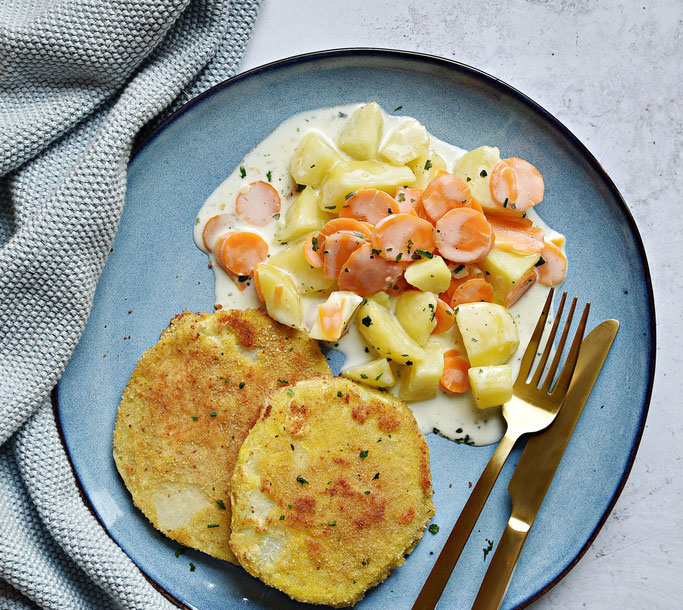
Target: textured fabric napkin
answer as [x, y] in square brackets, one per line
[79, 79]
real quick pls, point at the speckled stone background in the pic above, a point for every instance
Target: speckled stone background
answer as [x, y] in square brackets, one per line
[611, 72]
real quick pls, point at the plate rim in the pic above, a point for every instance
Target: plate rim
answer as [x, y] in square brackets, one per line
[141, 143]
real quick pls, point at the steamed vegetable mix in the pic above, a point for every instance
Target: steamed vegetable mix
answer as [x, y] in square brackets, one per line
[424, 258]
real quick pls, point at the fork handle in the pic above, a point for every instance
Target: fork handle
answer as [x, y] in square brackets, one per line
[497, 579]
[441, 572]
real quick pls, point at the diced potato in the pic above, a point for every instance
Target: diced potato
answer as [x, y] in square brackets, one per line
[477, 165]
[363, 130]
[488, 331]
[421, 380]
[429, 274]
[303, 216]
[308, 279]
[382, 298]
[377, 374]
[407, 142]
[279, 293]
[491, 385]
[509, 273]
[425, 168]
[416, 312]
[384, 334]
[313, 159]
[332, 316]
[350, 176]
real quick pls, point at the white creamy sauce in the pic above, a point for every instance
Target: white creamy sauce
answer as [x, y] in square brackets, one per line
[454, 416]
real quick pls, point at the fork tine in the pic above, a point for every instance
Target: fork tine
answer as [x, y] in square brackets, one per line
[565, 378]
[530, 353]
[546, 352]
[560, 348]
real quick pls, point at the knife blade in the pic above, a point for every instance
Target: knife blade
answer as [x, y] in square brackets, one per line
[538, 463]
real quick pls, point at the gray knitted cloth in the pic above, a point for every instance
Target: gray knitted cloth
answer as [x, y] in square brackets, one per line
[78, 80]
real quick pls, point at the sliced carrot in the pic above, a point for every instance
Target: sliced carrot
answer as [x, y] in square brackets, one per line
[331, 319]
[366, 273]
[463, 236]
[554, 268]
[408, 199]
[446, 192]
[259, 204]
[517, 235]
[398, 236]
[370, 205]
[520, 288]
[240, 252]
[472, 291]
[459, 275]
[214, 227]
[343, 224]
[444, 317]
[516, 184]
[338, 247]
[454, 378]
[313, 252]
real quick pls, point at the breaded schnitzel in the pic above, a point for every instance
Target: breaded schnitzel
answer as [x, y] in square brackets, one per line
[331, 489]
[187, 408]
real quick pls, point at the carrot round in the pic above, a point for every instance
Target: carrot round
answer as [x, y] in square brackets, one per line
[366, 273]
[472, 291]
[554, 268]
[240, 252]
[444, 317]
[463, 236]
[446, 192]
[454, 378]
[516, 184]
[259, 204]
[313, 252]
[516, 235]
[398, 236]
[338, 247]
[343, 224]
[370, 205]
[408, 199]
[214, 227]
[459, 275]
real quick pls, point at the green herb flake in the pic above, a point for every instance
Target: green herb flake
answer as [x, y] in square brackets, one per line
[220, 504]
[398, 107]
[196, 221]
[243, 172]
[332, 523]
[433, 528]
[290, 393]
[242, 384]
[349, 195]
[192, 567]
[282, 517]
[458, 269]
[401, 197]
[379, 376]
[180, 551]
[363, 454]
[376, 475]
[488, 548]
[292, 446]
[366, 321]
[367, 493]
[314, 244]
[213, 413]
[424, 253]
[483, 173]
[340, 395]
[428, 164]
[541, 261]
[212, 525]
[301, 480]
[363, 376]
[399, 257]
[376, 251]
[282, 381]
[195, 418]
[269, 175]
[342, 115]
[276, 216]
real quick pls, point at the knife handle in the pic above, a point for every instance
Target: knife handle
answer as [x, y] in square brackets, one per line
[497, 579]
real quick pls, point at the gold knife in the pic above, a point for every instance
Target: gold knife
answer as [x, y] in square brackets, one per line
[538, 464]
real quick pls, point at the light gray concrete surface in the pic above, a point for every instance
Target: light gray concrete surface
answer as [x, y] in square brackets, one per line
[610, 71]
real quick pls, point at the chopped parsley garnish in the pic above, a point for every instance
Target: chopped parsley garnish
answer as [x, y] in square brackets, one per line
[363, 454]
[212, 525]
[378, 377]
[332, 523]
[195, 418]
[276, 216]
[282, 381]
[376, 251]
[282, 517]
[488, 548]
[243, 172]
[399, 257]
[433, 528]
[196, 221]
[242, 384]
[192, 567]
[428, 164]
[290, 393]
[349, 195]
[213, 413]
[541, 261]
[367, 493]
[220, 504]
[180, 551]
[269, 175]
[398, 107]
[401, 197]
[377, 475]
[366, 321]
[357, 234]
[301, 480]
[314, 244]
[340, 395]
[424, 253]
[343, 115]
[483, 173]
[363, 376]
[242, 278]
[458, 269]
[505, 203]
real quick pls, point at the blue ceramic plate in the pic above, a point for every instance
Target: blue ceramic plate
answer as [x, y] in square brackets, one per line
[155, 271]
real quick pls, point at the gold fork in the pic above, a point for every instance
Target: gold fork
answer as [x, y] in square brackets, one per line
[531, 409]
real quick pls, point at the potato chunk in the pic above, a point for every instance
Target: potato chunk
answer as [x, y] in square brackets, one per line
[475, 168]
[313, 159]
[429, 274]
[303, 216]
[362, 132]
[491, 385]
[425, 168]
[384, 334]
[421, 380]
[332, 316]
[407, 142]
[308, 279]
[510, 274]
[279, 293]
[416, 312]
[350, 176]
[488, 331]
[377, 374]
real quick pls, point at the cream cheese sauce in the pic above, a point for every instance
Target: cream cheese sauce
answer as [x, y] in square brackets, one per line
[453, 416]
